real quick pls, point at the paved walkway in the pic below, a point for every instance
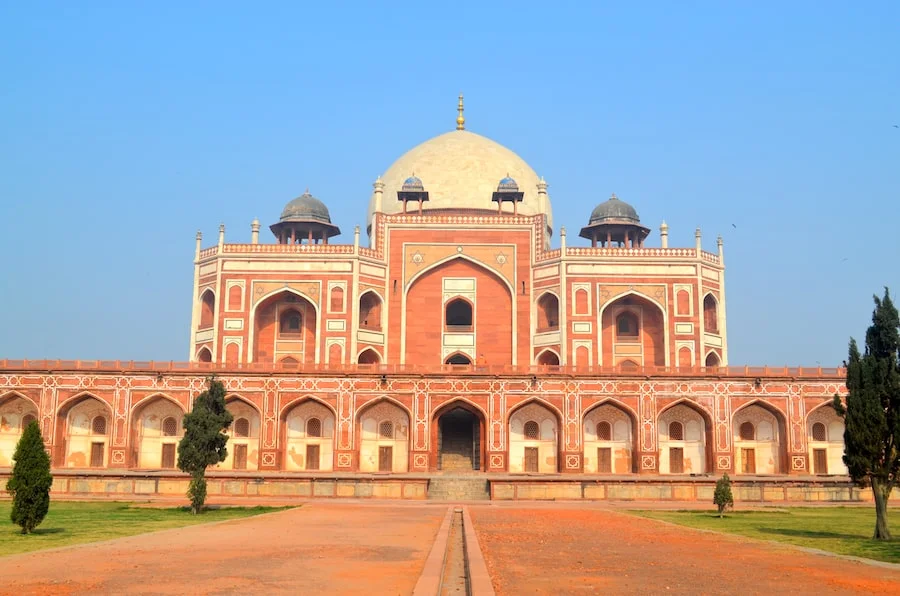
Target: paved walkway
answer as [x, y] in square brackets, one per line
[372, 547]
[317, 549]
[576, 550]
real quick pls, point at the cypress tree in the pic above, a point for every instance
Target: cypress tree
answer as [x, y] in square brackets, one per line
[723, 497]
[30, 482]
[204, 441]
[872, 412]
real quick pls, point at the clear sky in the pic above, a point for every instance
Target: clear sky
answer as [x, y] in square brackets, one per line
[126, 127]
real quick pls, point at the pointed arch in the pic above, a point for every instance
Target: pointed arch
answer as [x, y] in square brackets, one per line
[254, 332]
[710, 313]
[530, 452]
[660, 352]
[299, 401]
[380, 399]
[780, 439]
[458, 359]
[380, 451]
[464, 257]
[13, 394]
[76, 446]
[368, 356]
[620, 455]
[150, 446]
[547, 357]
[204, 355]
[207, 300]
[233, 397]
[371, 310]
[478, 431]
[708, 428]
[540, 401]
[712, 360]
[547, 312]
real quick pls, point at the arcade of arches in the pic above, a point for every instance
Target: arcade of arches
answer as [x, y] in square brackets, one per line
[460, 437]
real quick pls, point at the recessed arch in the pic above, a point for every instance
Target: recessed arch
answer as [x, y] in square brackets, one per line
[368, 356]
[13, 394]
[661, 351]
[377, 400]
[547, 357]
[458, 359]
[824, 405]
[251, 344]
[371, 310]
[459, 313]
[710, 313]
[377, 452]
[464, 257]
[233, 397]
[712, 360]
[76, 445]
[467, 448]
[619, 454]
[207, 301]
[530, 452]
[541, 401]
[775, 447]
[204, 355]
[547, 312]
[151, 447]
[298, 401]
[708, 445]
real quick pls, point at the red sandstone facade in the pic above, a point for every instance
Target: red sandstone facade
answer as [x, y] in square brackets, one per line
[459, 340]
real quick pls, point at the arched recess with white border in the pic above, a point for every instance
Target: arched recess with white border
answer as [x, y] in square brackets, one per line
[252, 319]
[616, 299]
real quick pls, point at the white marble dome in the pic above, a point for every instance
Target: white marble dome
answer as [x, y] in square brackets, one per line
[461, 170]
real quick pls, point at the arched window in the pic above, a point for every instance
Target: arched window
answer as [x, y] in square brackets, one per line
[386, 430]
[458, 313]
[169, 427]
[712, 360]
[747, 432]
[204, 355]
[604, 431]
[548, 313]
[819, 432]
[207, 309]
[98, 425]
[242, 428]
[291, 322]
[627, 326]
[459, 359]
[710, 316]
[27, 419]
[370, 311]
[235, 297]
[532, 430]
[548, 358]
[313, 427]
[676, 431]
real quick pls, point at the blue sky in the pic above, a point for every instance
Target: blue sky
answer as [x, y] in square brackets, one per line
[126, 127]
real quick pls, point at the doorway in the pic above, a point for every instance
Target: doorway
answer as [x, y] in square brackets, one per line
[385, 458]
[459, 441]
[531, 459]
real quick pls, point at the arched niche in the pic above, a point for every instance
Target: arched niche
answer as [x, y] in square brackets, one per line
[308, 436]
[285, 326]
[157, 426]
[84, 429]
[243, 436]
[760, 434]
[370, 311]
[635, 325]
[533, 439]
[384, 438]
[825, 440]
[547, 313]
[16, 412]
[609, 440]
[685, 441]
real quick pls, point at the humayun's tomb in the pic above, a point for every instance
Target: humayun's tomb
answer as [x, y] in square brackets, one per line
[460, 344]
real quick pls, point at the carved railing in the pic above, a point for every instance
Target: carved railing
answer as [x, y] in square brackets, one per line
[752, 372]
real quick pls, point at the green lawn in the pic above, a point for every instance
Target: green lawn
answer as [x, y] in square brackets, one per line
[844, 530]
[76, 523]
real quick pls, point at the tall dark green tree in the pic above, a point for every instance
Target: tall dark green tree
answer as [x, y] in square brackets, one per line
[203, 444]
[30, 482]
[872, 413]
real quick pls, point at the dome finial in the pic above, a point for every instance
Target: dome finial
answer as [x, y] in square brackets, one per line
[460, 119]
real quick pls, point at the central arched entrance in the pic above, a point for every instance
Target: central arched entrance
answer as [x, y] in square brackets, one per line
[459, 440]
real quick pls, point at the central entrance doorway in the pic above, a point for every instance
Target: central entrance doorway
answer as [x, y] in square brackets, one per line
[459, 441]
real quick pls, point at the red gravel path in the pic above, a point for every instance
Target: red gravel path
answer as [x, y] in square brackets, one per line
[563, 550]
[334, 549]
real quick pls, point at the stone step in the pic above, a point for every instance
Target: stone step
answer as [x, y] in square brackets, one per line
[455, 488]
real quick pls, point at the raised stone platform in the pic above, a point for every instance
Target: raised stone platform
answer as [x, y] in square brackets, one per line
[129, 484]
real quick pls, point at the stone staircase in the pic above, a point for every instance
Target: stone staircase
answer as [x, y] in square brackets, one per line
[458, 488]
[456, 456]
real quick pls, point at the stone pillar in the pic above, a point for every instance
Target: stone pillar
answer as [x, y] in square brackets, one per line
[254, 232]
[664, 234]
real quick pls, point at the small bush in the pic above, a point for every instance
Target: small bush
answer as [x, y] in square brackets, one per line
[722, 497]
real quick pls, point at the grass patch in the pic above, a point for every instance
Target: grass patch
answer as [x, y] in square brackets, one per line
[843, 530]
[70, 523]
